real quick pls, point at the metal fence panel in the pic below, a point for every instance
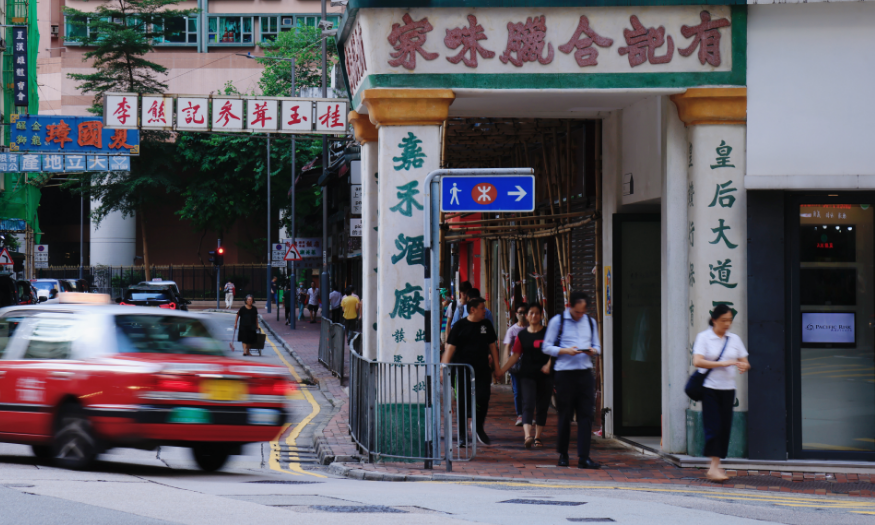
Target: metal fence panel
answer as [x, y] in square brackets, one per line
[390, 415]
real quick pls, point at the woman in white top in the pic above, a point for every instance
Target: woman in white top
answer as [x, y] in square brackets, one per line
[719, 395]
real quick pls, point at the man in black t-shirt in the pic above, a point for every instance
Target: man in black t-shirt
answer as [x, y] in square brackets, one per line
[472, 341]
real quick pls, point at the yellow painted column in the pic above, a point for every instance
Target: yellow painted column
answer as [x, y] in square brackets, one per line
[408, 123]
[716, 120]
[366, 135]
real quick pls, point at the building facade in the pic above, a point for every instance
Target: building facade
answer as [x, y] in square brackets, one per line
[201, 58]
[720, 165]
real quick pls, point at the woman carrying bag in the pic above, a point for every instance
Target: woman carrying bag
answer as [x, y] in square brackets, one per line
[717, 354]
[533, 375]
[248, 319]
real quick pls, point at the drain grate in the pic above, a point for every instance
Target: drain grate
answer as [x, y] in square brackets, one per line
[544, 502]
[771, 481]
[591, 520]
[279, 482]
[357, 509]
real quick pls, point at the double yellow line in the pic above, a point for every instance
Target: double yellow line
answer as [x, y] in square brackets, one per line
[293, 435]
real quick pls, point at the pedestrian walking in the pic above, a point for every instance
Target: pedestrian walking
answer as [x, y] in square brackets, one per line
[472, 341]
[533, 375]
[718, 354]
[463, 298]
[274, 292]
[247, 316]
[313, 301]
[289, 300]
[572, 338]
[334, 299]
[352, 308]
[302, 301]
[229, 295]
[509, 339]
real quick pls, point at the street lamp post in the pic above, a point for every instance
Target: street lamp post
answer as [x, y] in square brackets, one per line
[324, 281]
[291, 264]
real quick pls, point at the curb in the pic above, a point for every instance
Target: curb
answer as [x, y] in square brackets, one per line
[351, 472]
[319, 444]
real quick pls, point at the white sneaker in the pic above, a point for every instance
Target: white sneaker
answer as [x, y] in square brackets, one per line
[519, 421]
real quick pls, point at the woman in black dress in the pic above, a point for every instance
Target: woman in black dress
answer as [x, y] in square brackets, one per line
[248, 318]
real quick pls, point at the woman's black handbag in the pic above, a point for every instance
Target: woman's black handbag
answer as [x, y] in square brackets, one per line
[695, 388]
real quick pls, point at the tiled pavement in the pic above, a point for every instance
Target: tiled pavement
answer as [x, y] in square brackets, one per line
[508, 458]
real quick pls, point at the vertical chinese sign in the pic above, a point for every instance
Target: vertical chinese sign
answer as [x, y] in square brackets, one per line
[19, 65]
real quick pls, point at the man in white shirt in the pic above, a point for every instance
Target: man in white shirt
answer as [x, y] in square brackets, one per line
[229, 295]
[313, 301]
[334, 299]
[573, 339]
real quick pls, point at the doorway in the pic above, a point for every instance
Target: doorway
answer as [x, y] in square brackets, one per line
[637, 320]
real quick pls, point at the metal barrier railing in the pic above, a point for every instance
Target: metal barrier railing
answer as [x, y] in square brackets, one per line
[331, 347]
[391, 412]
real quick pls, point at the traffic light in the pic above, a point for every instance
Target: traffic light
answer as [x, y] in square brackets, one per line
[217, 256]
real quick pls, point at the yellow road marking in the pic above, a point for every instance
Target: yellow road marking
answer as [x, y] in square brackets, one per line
[293, 436]
[850, 369]
[823, 446]
[870, 440]
[870, 374]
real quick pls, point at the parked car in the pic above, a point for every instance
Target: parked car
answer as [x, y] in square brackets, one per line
[50, 288]
[79, 380]
[75, 285]
[163, 296]
[27, 294]
[8, 290]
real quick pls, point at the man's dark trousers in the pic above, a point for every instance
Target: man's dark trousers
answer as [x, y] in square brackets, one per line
[575, 393]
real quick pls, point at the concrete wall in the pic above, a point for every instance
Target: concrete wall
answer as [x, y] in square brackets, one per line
[809, 110]
[641, 137]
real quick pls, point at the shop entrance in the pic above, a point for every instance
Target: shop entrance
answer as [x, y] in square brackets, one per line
[637, 320]
[832, 326]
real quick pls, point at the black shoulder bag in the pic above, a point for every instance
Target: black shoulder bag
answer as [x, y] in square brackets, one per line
[695, 388]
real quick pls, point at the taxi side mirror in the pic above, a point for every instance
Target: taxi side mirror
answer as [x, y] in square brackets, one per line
[43, 298]
[118, 299]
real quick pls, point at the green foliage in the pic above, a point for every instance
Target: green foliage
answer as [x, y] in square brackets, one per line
[119, 35]
[226, 173]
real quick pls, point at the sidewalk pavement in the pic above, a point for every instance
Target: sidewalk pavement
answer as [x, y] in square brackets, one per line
[508, 459]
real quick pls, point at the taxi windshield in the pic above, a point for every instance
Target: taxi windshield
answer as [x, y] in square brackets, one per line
[45, 285]
[164, 334]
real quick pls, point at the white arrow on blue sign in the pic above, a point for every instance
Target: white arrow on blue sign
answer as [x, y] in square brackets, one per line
[500, 193]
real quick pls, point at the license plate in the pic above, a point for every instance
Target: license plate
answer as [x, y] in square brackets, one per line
[223, 390]
[263, 416]
[197, 416]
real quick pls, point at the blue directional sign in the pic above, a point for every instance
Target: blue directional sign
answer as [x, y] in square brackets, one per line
[486, 193]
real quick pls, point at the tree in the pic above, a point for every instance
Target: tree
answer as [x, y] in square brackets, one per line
[225, 174]
[119, 35]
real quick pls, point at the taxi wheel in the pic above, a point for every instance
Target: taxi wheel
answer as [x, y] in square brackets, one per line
[210, 458]
[75, 447]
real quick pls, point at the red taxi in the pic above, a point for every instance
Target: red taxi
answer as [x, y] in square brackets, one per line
[77, 380]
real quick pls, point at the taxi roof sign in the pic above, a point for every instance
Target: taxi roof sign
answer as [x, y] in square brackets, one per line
[83, 298]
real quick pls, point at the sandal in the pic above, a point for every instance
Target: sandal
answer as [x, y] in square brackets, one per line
[529, 441]
[538, 443]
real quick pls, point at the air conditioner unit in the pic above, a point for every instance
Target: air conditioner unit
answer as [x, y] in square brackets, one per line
[55, 30]
[287, 21]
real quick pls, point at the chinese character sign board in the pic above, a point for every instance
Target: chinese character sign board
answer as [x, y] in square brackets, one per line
[25, 162]
[308, 246]
[20, 82]
[227, 114]
[717, 231]
[261, 115]
[69, 134]
[550, 41]
[157, 112]
[355, 227]
[120, 110]
[296, 115]
[191, 114]
[406, 155]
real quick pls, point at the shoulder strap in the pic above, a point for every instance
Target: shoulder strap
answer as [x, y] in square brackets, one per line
[561, 329]
[726, 342]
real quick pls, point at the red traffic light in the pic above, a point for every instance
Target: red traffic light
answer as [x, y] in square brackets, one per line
[221, 251]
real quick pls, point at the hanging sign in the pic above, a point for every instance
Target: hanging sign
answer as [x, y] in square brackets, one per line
[20, 80]
[226, 113]
[18, 162]
[70, 134]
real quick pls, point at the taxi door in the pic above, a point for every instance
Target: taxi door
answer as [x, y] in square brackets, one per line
[38, 374]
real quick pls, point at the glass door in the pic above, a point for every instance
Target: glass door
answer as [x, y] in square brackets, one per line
[833, 328]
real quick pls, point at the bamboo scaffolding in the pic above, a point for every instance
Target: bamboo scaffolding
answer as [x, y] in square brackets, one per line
[521, 218]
